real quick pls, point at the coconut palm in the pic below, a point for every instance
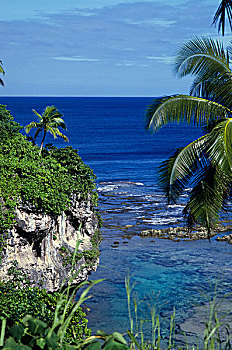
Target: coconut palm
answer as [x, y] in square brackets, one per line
[49, 121]
[206, 163]
[1, 72]
[225, 8]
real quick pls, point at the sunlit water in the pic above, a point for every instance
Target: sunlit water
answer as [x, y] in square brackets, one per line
[168, 274]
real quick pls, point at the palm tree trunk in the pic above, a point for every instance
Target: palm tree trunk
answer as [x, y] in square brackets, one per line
[44, 135]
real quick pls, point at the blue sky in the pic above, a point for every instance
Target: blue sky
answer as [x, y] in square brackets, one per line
[98, 47]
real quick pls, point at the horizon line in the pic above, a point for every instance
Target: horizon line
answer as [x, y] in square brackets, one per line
[95, 96]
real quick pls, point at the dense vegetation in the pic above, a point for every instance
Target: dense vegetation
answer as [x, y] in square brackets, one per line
[18, 299]
[38, 333]
[46, 182]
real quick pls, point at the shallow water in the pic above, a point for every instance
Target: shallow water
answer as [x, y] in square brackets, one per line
[177, 273]
[168, 274]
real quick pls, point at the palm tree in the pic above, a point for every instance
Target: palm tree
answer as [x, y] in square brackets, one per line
[224, 8]
[206, 163]
[1, 72]
[49, 121]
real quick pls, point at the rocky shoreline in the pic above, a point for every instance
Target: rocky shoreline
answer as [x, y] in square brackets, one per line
[182, 233]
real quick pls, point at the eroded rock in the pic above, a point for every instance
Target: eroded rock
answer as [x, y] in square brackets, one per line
[35, 243]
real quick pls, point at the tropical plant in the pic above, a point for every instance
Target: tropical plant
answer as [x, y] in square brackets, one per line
[46, 185]
[18, 299]
[206, 163]
[49, 121]
[224, 8]
[36, 333]
[1, 72]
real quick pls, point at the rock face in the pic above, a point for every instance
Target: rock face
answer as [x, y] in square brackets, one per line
[37, 240]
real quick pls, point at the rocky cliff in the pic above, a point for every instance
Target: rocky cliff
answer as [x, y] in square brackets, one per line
[43, 244]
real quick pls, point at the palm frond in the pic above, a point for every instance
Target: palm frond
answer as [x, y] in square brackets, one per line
[30, 126]
[52, 131]
[164, 174]
[64, 137]
[229, 49]
[216, 88]
[1, 69]
[56, 132]
[2, 72]
[38, 115]
[183, 108]
[57, 121]
[210, 190]
[220, 15]
[190, 160]
[220, 146]
[176, 172]
[202, 56]
[199, 88]
[52, 112]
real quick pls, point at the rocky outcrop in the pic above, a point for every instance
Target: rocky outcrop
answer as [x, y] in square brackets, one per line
[37, 240]
[177, 233]
[226, 238]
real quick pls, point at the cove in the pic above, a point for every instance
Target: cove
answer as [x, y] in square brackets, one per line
[111, 138]
[166, 273]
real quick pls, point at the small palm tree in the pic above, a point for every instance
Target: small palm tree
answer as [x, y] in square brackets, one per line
[224, 8]
[206, 163]
[49, 121]
[1, 72]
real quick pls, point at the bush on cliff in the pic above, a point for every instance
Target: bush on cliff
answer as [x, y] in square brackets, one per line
[45, 183]
[18, 299]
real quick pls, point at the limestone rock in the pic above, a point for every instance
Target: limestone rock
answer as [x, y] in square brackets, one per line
[35, 242]
[176, 233]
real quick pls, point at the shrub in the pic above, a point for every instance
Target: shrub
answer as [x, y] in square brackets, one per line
[45, 183]
[18, 299]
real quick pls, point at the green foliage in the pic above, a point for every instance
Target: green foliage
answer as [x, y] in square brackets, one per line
[49, 121]
[81, 177]
[18, 299]
[90, 255]
[206, 163]
[46, 183]
[36, 333]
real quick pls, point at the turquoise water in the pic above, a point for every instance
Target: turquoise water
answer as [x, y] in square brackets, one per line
[110, 136]
[171, 273]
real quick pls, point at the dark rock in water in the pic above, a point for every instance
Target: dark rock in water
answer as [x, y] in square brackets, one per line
[177, 233]
[36, 240]
[116, 242]
[226, 238]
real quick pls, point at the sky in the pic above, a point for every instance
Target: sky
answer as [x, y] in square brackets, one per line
[98, 47]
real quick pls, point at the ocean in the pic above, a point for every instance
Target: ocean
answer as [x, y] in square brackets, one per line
[111, 138]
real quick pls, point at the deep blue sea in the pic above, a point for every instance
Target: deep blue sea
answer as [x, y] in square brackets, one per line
[111, 138]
